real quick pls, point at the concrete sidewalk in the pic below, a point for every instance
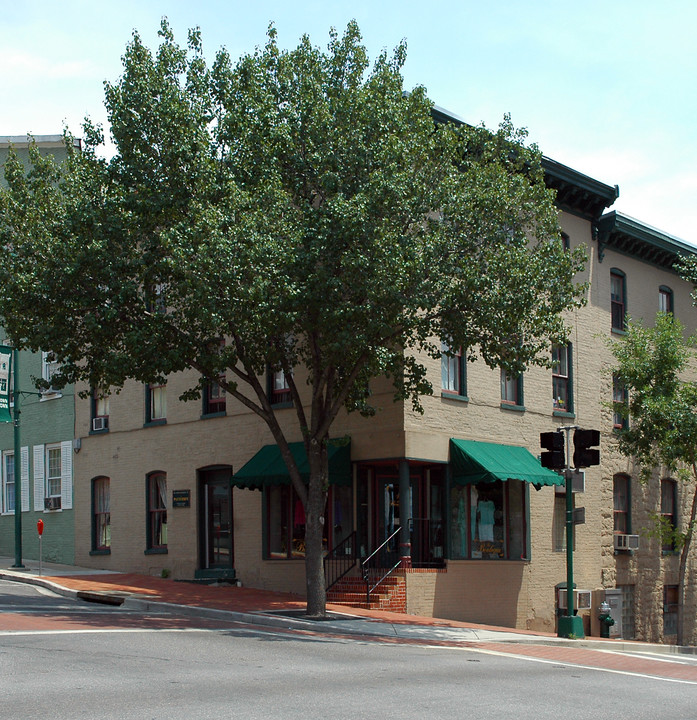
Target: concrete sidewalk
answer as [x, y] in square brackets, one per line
[282, 610]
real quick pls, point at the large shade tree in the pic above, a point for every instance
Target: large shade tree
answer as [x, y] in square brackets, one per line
[299, 206]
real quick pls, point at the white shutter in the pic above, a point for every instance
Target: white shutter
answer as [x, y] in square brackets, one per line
[67, 474]
[39, 477]
[24, 475]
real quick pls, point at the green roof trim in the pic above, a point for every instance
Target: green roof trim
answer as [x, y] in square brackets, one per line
[631, 237]
[267, 467]
[577, 193]
[482, 462]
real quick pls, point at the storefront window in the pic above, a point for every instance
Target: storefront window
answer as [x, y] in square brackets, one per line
[489, 521]
[285, 535]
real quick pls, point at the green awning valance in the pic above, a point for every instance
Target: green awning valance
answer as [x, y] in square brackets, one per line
[475, 462]
[268, 468]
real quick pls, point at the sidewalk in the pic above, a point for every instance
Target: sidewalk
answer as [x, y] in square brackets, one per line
[282, 610]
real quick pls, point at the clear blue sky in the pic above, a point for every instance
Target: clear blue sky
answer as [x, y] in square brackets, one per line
[608, 88]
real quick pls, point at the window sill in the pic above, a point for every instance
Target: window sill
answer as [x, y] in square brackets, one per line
[512, 407]
[282, 405]
[153, 423]
[618, 331]
[155, 551]
[206, 416]
[50, 396]
[563, 414]
[103, 551]
[99, 432]
[453, 396]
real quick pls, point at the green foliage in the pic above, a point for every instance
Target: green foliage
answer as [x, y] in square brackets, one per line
[303, 207]
[663, 530]
[660, 403]
[294, 194]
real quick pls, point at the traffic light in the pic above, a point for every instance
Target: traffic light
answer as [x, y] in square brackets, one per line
[554, 458]
[585, 451]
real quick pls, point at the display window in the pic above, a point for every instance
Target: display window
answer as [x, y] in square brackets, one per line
[489, 521]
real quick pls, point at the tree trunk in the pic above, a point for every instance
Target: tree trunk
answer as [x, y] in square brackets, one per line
[683, 566]
[314, 530]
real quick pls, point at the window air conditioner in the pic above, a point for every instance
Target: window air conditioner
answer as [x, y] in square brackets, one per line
[626, 542]
[100, 423]
[582, 599]
[52, 503]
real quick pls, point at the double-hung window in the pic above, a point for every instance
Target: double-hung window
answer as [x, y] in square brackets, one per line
[618, 300]
[279, 389]
[453, 371]
[100, 411]
[665, 299]
[53, 471]
[620, 398]
[101, 515]
[214, 398]
[53, 476]
[621, 501]
[669, 494]
[156, 403]
[511, 390]
[49, 367]
[8, 482]
[562, 387]
[156, 490]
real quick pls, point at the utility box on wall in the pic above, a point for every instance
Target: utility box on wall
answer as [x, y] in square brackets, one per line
[613, 597]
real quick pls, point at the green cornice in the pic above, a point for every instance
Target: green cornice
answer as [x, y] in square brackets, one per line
[628, 236]
[576, 193]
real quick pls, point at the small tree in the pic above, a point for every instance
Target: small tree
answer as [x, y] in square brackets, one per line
[661, 407]
[300, 207]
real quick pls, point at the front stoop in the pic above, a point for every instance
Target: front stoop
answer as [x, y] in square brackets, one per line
[391, 594]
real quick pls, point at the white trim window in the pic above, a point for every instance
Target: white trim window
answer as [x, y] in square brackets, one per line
[49, 367]
[53, 471]
[8, 482]
[53, 476]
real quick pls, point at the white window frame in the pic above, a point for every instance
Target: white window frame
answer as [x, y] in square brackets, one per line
[55, 479]
[6, 510]
[41, 478]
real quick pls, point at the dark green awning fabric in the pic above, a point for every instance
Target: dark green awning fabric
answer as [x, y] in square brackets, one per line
[475, 462]
[268, 468]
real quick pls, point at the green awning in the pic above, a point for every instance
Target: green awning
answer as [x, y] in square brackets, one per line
[475, 462]
[267, 467]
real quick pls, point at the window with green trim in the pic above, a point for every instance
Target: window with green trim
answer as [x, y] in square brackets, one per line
[562, 381]
[618, 299]
[453, 371]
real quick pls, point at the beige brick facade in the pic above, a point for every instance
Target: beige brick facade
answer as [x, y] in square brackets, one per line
[515, 593]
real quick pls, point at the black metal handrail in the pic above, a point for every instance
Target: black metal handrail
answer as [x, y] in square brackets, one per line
[364, 566]
[340, 560]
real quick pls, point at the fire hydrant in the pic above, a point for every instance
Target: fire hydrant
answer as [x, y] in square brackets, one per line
[606, 621]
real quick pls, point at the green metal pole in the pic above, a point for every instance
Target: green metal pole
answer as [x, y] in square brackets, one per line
[18, 464]
[570, 625]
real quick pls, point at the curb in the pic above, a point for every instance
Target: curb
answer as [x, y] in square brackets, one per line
[132, 601]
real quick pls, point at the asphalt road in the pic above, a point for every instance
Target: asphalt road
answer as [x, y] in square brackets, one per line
[63, 659]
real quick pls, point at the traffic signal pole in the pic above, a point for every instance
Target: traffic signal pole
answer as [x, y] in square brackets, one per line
[570, 625]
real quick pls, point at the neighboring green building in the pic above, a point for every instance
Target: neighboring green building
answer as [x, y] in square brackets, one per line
[44, 485]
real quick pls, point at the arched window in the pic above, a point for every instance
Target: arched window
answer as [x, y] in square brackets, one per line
[665, 299]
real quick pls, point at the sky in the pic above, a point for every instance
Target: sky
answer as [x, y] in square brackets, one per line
[607, 88]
